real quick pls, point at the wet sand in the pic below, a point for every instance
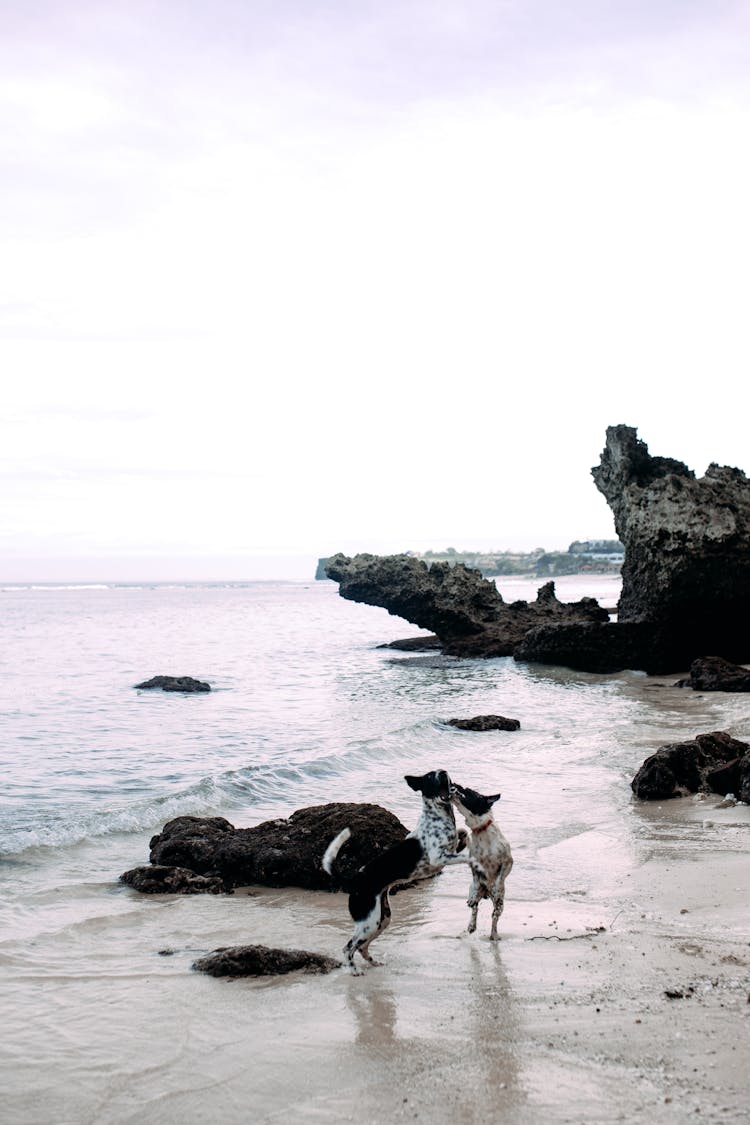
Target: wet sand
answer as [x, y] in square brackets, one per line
[566, 1019]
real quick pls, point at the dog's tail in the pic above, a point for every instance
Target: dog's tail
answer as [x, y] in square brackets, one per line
[333, 850]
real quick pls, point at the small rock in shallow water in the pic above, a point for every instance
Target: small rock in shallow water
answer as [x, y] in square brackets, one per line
[261, 961]
[485, 722]
[174, 683]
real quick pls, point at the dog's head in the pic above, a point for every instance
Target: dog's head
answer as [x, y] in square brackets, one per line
[434, 786]
[471, 802]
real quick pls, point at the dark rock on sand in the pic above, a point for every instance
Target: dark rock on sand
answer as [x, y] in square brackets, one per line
[690, 767]
[713, 673]
[485, 722]
[278, 853]
[263, 961]
[465, 610]
[726, 779]
[159, 879]
[174, 683]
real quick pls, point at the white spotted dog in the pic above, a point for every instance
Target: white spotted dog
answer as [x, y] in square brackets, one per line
[434, 843]
[489, 853]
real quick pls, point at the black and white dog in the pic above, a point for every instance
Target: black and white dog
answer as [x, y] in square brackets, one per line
[489, 853]
[433, 844]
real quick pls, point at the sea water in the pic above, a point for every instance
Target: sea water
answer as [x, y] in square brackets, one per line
[305, 708]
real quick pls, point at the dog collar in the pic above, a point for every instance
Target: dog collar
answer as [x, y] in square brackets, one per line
[481, 827]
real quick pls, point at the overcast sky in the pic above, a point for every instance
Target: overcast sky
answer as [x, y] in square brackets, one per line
[283, 277]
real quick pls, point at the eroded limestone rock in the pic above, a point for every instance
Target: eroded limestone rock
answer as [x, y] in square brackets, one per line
[464, 609]
[693, 766]
[687, 547]
[686, 572]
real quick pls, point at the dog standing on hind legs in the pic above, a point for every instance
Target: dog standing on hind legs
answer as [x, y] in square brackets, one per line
[489, 853]
[434, 843]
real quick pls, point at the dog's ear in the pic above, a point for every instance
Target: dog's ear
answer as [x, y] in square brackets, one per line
[494, 798]
[413, 782]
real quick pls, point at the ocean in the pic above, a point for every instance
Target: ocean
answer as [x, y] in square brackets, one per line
[306, 708]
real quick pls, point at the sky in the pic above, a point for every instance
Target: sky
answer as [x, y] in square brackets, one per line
[279, 279]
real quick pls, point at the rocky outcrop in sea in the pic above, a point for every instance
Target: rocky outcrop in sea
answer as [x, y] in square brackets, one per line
[685, 578]
[194, 854]
[466, 611]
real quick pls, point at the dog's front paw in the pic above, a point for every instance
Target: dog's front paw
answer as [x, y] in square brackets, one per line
[463, 839]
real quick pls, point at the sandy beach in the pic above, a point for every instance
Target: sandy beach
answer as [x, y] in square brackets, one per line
[567, 1019]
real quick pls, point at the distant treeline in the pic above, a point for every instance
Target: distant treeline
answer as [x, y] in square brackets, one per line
[600, 556]
[593, 556]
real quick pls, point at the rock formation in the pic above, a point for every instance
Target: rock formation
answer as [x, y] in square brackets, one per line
[713, 762]
[687, 547]
[712, 673]
[465, 610]
[685, 578]
[277, 853]
[263, 961]
[686, 573]
[687, 541]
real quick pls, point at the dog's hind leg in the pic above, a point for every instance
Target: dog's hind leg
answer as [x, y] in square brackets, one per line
[366, 929]
[383, 923]
[498, 902]
[349, 950]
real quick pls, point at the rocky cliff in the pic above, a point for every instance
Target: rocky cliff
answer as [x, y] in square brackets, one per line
[686, 572]
[687, 545]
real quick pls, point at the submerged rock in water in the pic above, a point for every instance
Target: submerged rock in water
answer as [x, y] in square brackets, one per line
[486, 722]
[159, 879]
[465, 610]
[697, 765]
[277, 853]
[263, 961]
[174, 683]
[415, 644]
[713, 673]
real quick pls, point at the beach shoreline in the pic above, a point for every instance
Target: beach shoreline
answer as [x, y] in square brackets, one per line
[565, 1020]
[106, 1023]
